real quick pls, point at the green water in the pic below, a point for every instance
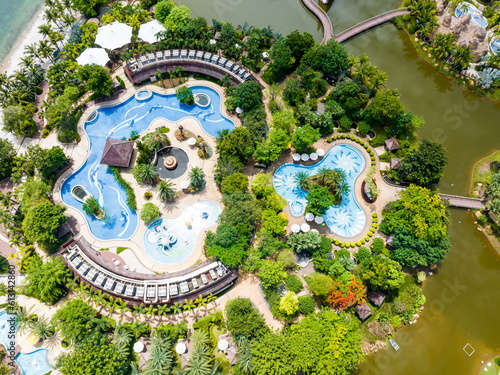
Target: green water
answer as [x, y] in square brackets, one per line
[463, 296]
[15, 16]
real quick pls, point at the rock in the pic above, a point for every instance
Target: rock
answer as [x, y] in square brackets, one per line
[433, 267]
[440, 9]
[478, 32]
[416, 316]
[416, 39]
[424, 49]
[465, 20]
[421, 308]
[474, 42]
[478, 213]
[479, 184]
[446, 21]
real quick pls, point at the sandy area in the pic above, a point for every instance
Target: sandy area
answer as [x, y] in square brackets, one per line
[30, 35]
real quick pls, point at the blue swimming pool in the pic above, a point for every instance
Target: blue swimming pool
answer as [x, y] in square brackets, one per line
[347, 219]
[476, 15]
[118, 122]
[495, 46]
[173, 240]
[34, 363]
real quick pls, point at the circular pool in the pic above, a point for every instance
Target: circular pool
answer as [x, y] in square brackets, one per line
[143, 95]
[202, 100]
[172, 162]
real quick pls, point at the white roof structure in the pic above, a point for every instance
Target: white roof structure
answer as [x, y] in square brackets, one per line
[148, 31]
[113, 36]
[295, 228]
[318, 220]
[91, 56]
[309, 216]
[180, 348]
[138, 347]
[305, 227]
[222, 344]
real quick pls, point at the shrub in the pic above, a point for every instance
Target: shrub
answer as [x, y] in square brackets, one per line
[293, 283]
[374, 214]
[128, 189]
[147, 195]
[306, 305]
[45, 133]
[377, 245]
[358, 243]
[366, 238]
[185, 95]
[337, 242]
[329, 139]
[363, 241]
[353, 244]
[345, 124]
[149, 212]
[370, 234]
[375, 220]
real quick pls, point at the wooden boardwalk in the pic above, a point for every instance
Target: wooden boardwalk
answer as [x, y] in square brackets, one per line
[315, 9]
[464, 202]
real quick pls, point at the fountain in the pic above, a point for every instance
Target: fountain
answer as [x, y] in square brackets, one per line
[170, 162]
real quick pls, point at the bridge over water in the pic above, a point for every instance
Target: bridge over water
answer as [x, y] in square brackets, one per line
[464, 202]
[354, 30]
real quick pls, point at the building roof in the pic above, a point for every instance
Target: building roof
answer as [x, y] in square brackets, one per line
[117, 153]
[395, 163]
[377, 297]
[392, 144]
[363, 311]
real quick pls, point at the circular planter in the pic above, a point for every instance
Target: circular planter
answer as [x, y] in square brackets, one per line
[65, 345]
[365, 194]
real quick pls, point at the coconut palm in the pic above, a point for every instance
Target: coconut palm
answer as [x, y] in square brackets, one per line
[176, 308]
[197, 177]
[443, 45]
[302, 179]
[138, 309]
[42, 328]
[122, 305]
[343, 188]
[98, 324]
[145, 173]
[25, 318]
[150, 310]
[199, 363]
[462, 57]
[163, 310]
[158, 77]
[189, 305]
[165, 190]
[225, 81]
[121, 337]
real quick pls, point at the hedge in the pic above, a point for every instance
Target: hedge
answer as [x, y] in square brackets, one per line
[374, 214]
[132, 203]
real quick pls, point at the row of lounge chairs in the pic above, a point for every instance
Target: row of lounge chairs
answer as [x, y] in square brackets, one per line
[150, 291]
[184, 54]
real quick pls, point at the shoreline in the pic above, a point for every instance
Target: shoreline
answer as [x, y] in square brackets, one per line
[28, 36]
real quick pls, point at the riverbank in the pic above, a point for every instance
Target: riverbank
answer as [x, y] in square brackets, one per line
[481, 177]
[29, 35]
[492, 367]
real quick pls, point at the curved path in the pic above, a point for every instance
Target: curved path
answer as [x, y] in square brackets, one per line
[354, 30]
[315, 9]
[368, 24]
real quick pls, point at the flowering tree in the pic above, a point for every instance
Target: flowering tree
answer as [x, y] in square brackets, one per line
[347, 294]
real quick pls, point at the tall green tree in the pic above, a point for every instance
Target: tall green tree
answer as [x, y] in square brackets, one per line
[96, 78]
[72, 319]
[46, 281]
[42, 221]
[7, 153]
[381, 272]
[426, 164]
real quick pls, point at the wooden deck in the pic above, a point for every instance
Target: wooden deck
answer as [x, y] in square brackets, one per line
[464, 202]
[369, 24]
[315, 9]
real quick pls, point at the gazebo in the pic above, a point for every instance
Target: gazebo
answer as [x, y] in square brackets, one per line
[392, 144]
[377, 297]
[363, 311]
[117, 153]
[395, 163]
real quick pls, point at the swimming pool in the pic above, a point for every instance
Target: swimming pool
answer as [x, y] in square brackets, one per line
[173, 240]
[118, 122]
[34, 363]
[347, 219]
[495, 45]
[476, 15]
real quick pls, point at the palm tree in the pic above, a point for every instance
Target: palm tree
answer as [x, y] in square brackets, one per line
[197, 177]
[225, 81]
[151, 310]
[189, 305]
[165, 190]
[158, 77]
[176, 308]
[121, 336]
[122, 305]
[302, 179]
[99, 325]
[145, 173]
[99, 298]
[138, 309]
[112, 304]
[42, 328]
[443, 45]
[343, 188]
[25, 318]
[462, 57]
[163, 310]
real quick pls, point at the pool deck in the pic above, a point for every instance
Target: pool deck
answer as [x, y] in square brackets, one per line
[134, 256]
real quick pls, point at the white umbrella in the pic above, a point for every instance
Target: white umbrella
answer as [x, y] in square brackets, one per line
[304, 157]
[314, 230]
[138, 347]
[318, 220]
[296, 157]
[91, 56]
[212, 41]
[239, 110]
[309, 216]
[320, 152]
[314, 156]
[265, 55]
[184, 184]
[295, 228]
[180, 348]
[223, 345]
[305, 227]
[148, 31]
[113, 36]
[191, 141]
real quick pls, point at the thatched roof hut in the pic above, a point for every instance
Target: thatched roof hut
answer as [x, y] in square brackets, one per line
[377, 297]
[363, 311]
[117, 153]
[392, 144]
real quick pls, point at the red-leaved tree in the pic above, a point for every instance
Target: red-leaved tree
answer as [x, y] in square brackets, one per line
[344, 295]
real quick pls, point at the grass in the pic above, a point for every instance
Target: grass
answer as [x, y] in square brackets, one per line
[483, 168]
[492, 370]
[120, 249]
[104, 249]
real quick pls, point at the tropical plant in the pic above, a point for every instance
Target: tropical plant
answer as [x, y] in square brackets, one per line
[146, 173]
[197, 177]
[166, 191]
[42, 328]
[302, 179]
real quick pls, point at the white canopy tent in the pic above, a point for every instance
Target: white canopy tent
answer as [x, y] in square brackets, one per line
[296, 157]
[304, 157]
[314, 156]
[148, 31]
[180, 348]
[138, 347]
[91, 56]
[320, 152]
[223, 345]
[113, 36]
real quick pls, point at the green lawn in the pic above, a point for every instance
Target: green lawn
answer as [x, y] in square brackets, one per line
[484, 167]
[492, 370]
